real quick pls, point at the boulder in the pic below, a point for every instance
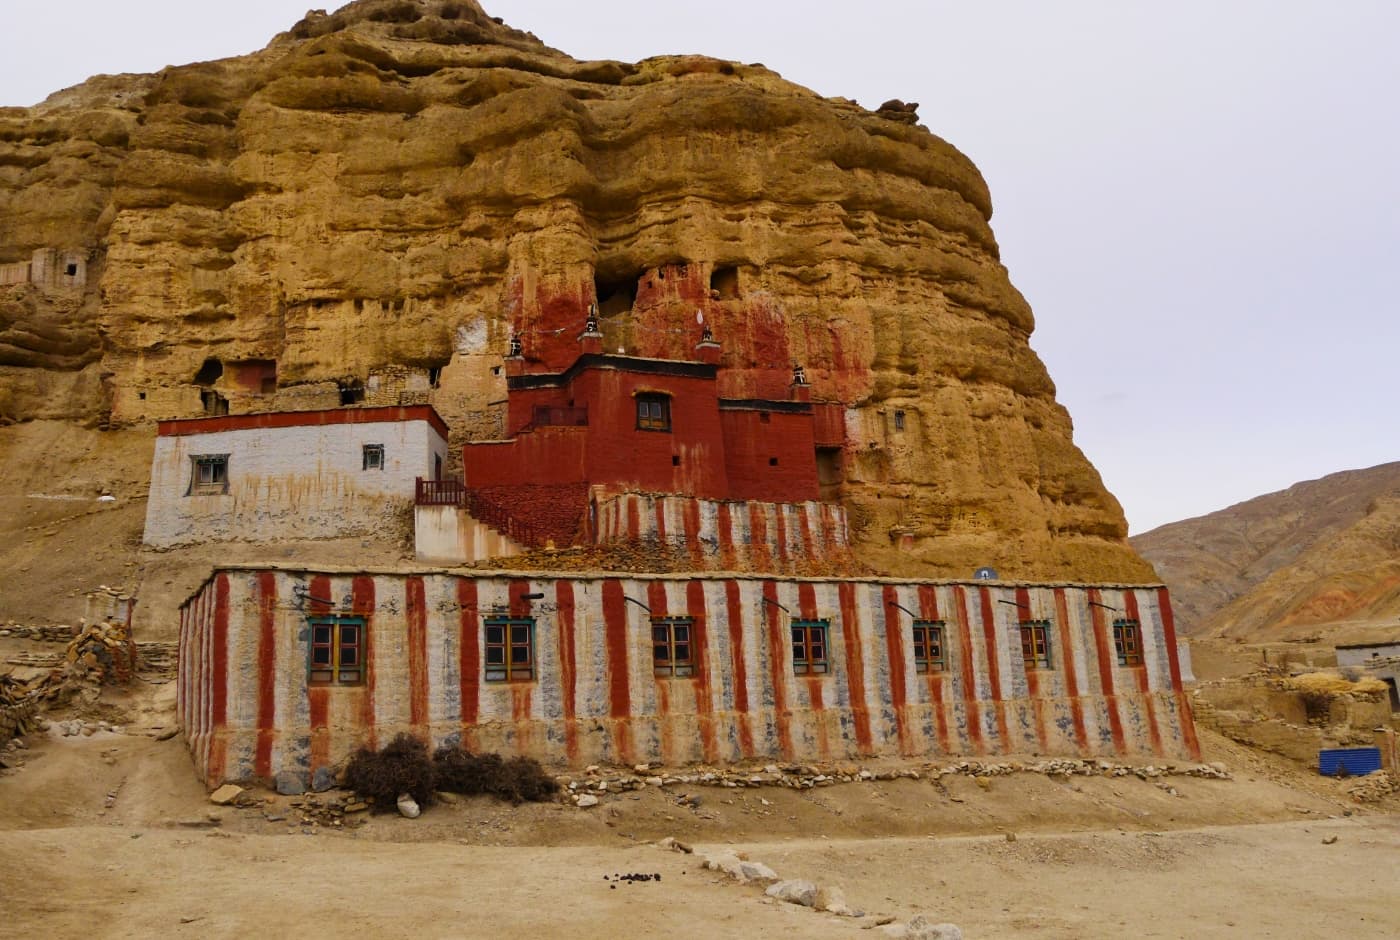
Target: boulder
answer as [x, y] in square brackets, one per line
[225, 795]
[290, 783]
[794, 891]
[408, 807]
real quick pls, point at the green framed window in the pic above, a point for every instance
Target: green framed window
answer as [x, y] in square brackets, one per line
[509, 649]
[336, 653]
[928, 646]
[809, 647]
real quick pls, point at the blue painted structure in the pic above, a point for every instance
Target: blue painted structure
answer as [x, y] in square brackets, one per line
[1357, 761]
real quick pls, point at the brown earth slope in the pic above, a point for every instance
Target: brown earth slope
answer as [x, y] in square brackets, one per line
[399, 184]
[1322, 552]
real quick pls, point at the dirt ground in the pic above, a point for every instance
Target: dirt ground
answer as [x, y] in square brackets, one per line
[109, 835]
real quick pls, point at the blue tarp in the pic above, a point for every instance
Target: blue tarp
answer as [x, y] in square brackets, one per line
[1357, 761]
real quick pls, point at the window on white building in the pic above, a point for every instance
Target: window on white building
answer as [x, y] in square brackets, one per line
[208, 475]
[373, 457]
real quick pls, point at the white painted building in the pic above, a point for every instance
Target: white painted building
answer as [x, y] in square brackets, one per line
[305, 475]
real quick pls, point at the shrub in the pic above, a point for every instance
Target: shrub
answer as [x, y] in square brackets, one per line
[403, 766]
[519, 779]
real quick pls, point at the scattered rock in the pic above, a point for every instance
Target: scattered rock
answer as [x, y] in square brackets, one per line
[923, 928]
[408, 807]
[833, 901]
[323, 779]
[290, 783]
[1330, 840]
[225, 795]
[794, 891]
[586, 800]
[167, 734]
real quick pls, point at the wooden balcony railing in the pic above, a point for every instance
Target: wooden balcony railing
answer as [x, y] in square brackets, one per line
[439, 492]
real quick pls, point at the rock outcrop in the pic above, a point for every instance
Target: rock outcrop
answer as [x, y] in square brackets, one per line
[367, 208]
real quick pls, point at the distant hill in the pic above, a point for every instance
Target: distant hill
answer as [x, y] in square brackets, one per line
[1320, 552]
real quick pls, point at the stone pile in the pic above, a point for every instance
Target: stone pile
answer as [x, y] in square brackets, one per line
[53, 633]
[1375, 786]
[583, 789]
[19, 710]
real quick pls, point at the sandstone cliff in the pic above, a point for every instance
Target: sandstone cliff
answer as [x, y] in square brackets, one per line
[1322, 552]
[366, 208]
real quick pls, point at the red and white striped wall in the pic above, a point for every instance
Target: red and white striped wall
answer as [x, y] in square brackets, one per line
[248, 711]
[728, 535]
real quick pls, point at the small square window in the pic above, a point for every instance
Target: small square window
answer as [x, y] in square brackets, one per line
[510, 649]
[675, 460]
[208, 475]
[1035, 644]
[373, 457]
[71, 269]
[899, 421]
[809, 647]
[772, 461]
[653, 412]
[928, 646]
[337, 644]
[1127, 642]
[670, 646]
[764, 417]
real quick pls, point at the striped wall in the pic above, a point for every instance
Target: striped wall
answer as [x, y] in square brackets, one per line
[248, 712]
[729, 535]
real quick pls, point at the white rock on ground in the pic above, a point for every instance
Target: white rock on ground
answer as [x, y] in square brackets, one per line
[833, 901]
[587, 800]
[225, 795]
[923, 928]
[408, 807]
[741, 870]
[794, 891]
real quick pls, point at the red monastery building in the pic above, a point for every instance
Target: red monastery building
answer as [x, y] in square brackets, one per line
[606, 425]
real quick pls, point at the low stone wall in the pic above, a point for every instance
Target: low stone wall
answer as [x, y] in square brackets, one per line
[18, 719]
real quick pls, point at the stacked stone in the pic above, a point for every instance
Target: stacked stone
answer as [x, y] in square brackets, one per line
[54, 633]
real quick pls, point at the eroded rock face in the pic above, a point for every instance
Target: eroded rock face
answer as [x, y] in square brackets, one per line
[370, 205]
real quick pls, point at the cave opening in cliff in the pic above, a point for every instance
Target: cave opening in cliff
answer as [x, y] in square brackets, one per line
[352, 392]
[209, 373]
[615, 295]
[830, 473]
[214, 403]
[724, 282]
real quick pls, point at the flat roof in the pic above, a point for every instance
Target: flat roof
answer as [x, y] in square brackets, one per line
[178, 427]
[594, 575]
[1366, 646]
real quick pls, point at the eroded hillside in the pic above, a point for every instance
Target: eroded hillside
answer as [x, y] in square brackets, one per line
[366, 209]
[1319, 552]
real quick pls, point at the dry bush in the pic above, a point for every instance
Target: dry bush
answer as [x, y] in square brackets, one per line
[518, 779]
[403, 766]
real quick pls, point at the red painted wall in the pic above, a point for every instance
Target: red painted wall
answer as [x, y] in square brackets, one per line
[751, 446]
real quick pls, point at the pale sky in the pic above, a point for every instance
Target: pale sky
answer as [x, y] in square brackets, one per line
[1200, 199]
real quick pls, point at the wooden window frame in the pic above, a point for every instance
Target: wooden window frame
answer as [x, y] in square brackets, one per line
[509, 668]
[929, 654]
[1127, 641]
[808, 658]
[217, 482]
[673, 647]
[1035, 644]
[335, 668]
[372, 457]
[660, 420]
